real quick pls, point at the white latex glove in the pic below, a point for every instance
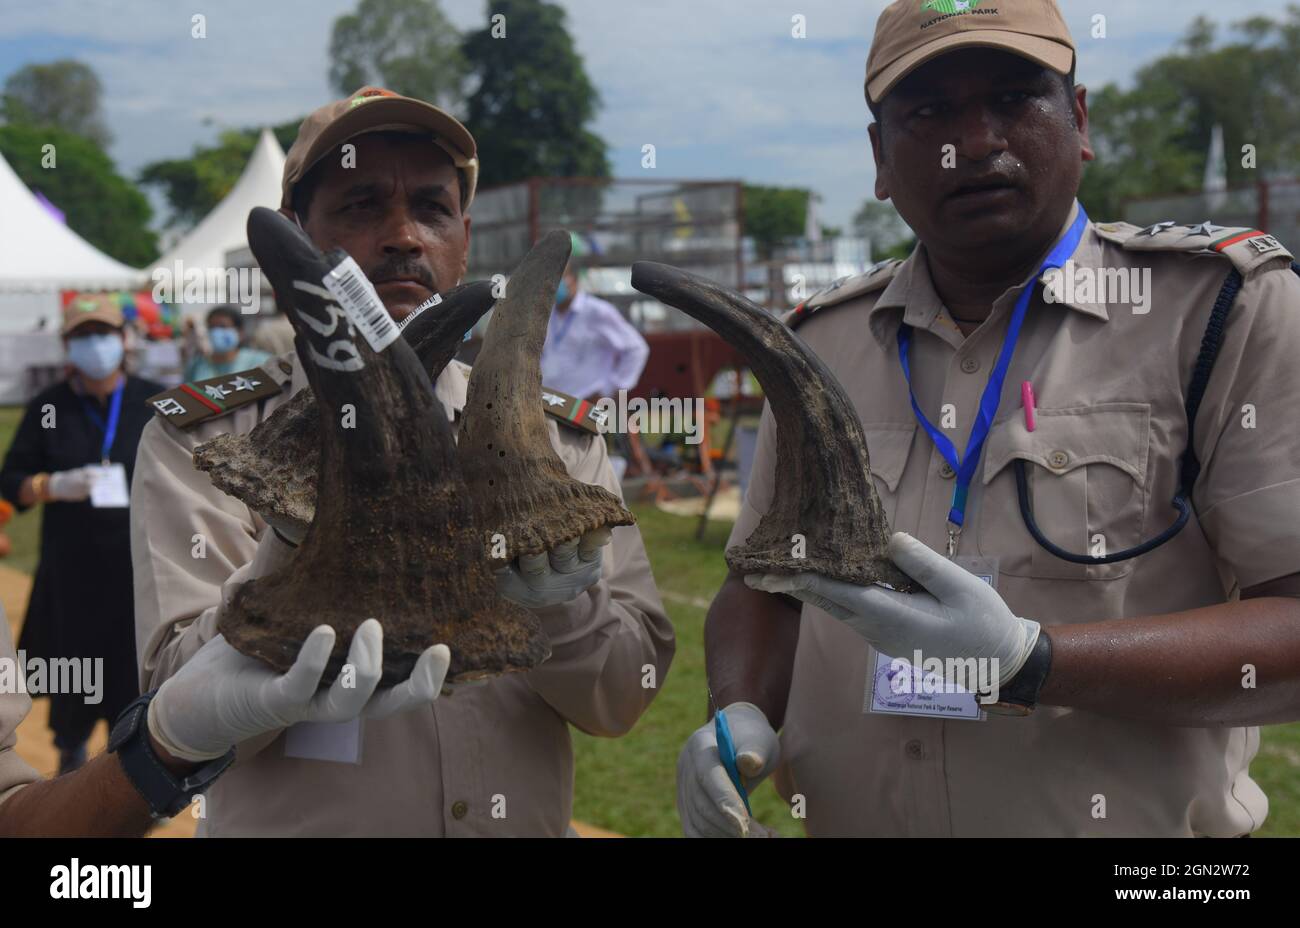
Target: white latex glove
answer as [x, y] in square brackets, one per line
[560, 576]
[960, 616]
[72, 486]
[707, 802]
[221, 697]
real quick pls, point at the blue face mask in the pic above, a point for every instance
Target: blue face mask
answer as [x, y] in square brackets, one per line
[96, 356]
[562, 293]
[223, 339]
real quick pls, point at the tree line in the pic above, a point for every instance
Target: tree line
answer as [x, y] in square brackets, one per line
[531, 105]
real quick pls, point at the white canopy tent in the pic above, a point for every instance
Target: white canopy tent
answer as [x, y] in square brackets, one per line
[40, 256]
[222, 231]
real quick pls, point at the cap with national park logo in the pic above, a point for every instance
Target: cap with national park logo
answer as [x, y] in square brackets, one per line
[92, 307]
[911, 32]
[374, 109]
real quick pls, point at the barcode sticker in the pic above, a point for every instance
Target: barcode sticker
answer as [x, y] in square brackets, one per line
[431, 301]
[357, 296]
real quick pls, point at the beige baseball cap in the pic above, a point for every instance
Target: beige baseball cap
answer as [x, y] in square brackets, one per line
[374, 109]
[911, 32]
[92, 307]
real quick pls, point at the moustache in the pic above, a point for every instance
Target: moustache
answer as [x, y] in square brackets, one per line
[403, 266]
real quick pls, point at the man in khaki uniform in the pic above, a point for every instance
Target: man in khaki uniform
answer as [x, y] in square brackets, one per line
[489, 759]
[1138, 683]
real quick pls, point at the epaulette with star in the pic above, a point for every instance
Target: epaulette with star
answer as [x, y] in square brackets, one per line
[189, 404]
[841, 291]
[1249, 250]
[573, 412]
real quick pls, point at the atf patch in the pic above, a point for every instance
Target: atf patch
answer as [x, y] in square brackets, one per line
[573, 412]
[191, 403]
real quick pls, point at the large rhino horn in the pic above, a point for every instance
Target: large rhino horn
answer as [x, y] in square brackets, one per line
[515, 477]
[823, 488]
[273, 467]
[393, 535]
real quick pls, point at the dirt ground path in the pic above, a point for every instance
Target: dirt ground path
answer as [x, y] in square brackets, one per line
[36, 741]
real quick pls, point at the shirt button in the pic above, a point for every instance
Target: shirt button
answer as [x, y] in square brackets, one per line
[915, 750]
[946, 472]
[459, 809]
[1058, 459]
[970, 365]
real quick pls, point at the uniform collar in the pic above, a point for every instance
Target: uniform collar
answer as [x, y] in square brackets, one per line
[912, 290]
[1088, 254]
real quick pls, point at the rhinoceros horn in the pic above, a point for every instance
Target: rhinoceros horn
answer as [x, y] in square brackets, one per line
[823, 489]
[393, 535]
[273, 467]
[519, 483]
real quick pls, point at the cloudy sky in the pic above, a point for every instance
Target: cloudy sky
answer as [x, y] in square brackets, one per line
[719, 86]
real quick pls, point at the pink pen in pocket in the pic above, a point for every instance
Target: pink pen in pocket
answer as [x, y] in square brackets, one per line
[1027, 401]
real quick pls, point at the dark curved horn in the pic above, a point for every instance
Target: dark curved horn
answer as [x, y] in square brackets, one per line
[437, 332]
[517, 480]
[823, 489]
[273, 467]
[393, 535]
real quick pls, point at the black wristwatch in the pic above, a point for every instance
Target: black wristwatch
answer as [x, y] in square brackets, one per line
[159, 787]
[1019, 695]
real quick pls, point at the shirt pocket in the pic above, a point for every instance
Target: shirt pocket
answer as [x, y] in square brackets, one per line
[888, 445]
[1086, 472]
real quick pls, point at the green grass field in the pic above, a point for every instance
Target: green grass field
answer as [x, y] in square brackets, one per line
[628, 785]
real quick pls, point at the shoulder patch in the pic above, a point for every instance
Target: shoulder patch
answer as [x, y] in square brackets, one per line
[876, 277]
[571, 411]
[191, 403]
[1249, 250]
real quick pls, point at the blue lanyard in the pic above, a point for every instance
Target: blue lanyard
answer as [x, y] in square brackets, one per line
[563, 328]
[114, 413]
[965, 466]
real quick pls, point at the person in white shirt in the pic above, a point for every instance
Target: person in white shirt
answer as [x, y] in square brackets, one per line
[591, 351]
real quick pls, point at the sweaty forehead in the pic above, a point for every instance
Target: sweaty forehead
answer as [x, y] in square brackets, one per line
[409, 160]
[965, 71]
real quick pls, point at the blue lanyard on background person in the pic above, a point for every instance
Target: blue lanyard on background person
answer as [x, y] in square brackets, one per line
[965, 466]
[562, 329]
[114, 414]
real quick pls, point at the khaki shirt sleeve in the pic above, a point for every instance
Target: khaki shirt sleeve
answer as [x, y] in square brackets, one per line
[604, 641]
[15, 773]
[1247, 439]
[762, 481]
[192, 546]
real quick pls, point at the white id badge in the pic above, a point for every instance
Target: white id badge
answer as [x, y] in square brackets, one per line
[896, 687]
[339, 742]
[109, 489]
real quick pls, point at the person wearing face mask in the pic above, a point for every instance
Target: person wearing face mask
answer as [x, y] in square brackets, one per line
[591, 351]
[227, 355]
[75, 451]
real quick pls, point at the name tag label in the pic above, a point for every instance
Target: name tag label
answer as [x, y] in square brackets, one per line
[338, 742]
[896, 687]
[109, 491]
